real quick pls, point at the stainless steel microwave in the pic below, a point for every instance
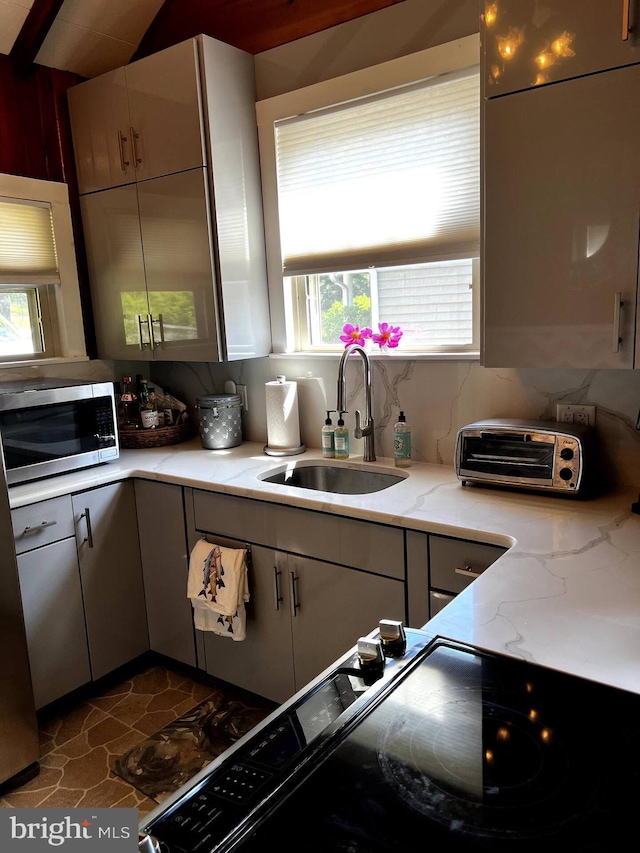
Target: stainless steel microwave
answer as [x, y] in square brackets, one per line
[540, 455]
[53, 426]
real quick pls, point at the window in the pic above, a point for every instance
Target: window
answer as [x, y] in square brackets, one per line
[377, 203]
[40, 315]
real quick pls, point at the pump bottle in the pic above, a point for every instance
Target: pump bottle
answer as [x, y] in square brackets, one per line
[328, 438]
[341, 438]
[402, 443]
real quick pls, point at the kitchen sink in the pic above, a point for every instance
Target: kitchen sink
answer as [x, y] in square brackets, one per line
[333, 478]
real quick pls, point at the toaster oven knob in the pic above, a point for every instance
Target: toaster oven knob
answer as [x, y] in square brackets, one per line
[566, 453]
[394, 639]
[370, 658]
[566, 473]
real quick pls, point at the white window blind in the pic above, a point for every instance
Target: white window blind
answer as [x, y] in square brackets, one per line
[389, 180]
[27, 245]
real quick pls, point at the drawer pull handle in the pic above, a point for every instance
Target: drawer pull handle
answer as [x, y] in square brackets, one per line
[294, 589]
[626, 19]
[29, 529]
[276, 585]
[468, 572]
[89, 537]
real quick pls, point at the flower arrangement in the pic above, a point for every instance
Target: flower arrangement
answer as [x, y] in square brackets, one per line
[386, 336]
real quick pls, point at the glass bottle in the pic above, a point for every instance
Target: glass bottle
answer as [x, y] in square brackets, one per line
[402, 443]
[128, 406]
[341, 439]
[149, 418]
[328, 438]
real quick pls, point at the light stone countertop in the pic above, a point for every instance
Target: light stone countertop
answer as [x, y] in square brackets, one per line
[566, 594]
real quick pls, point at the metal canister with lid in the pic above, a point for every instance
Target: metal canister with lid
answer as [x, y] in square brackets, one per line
[220, 417]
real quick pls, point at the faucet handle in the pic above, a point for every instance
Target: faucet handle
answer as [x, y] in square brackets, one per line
[357, 433]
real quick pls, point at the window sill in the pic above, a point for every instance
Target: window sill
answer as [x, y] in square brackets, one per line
[43, 362]
[404, 355]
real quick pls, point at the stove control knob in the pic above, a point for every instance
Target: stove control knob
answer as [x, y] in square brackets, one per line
[147, 843]
[394, 639]
[370, 658]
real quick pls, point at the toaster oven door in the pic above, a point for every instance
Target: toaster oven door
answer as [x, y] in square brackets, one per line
[519, 458]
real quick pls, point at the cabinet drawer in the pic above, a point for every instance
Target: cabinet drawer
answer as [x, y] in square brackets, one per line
[236, 518]
[455, 563]
[359, 544]
[42, 523]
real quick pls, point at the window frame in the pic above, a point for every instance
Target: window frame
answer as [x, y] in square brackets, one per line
[61, 309]
[285, 302]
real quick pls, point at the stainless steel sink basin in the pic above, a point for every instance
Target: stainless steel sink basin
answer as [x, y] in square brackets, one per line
[331, 478]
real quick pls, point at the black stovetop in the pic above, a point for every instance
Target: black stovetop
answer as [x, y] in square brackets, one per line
[472, 751]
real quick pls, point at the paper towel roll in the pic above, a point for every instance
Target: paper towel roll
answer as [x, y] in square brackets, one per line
[283, 422]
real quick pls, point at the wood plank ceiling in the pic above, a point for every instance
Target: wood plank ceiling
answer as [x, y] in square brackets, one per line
[89, 37]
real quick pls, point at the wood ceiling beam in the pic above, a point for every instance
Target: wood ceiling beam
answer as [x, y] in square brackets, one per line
[33, 33]
[252, 25]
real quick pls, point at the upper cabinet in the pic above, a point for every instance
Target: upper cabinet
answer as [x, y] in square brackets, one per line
[527, 43]
[167, 157]
[138, 122]
[561, 209]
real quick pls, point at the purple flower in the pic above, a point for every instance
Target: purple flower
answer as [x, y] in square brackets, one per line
[354, 335]
[388, 336]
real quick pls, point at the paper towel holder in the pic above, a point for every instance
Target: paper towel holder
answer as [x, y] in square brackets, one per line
[283, 451]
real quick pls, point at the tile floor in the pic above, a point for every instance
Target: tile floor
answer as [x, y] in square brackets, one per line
[79, 745]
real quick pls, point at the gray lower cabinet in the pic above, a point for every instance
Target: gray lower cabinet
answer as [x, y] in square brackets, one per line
[111, 574]
[303, 612]
[263, 661]
[165, 566]
[54, 620]
[439, 567]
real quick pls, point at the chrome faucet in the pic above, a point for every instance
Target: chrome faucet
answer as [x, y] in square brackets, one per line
[366, 431]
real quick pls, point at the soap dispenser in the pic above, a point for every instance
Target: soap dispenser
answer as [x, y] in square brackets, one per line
[341, 439]
[328, 438]
[402, 442]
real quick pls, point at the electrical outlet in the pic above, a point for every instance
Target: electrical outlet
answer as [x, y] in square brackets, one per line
[568, 413]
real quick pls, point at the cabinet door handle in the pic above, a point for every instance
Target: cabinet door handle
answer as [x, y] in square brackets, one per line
[294, 590]
[468, 572]
[159, 322]
[87, 517]
[121, 140]
[33, 529]
[134, 148]
[617, 318]
[152, 340]
[626, 19]
[276, 586]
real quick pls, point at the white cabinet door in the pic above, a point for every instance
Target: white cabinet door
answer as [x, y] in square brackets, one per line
[165, 567]
[111, 573]
[178, 260]
[263, 662]
[561, 221]
[151, 266]
[100, 122]
[331, 607]
[166, 117]
[140, 121]
[111, 226]
[527, 44]
[54, 620]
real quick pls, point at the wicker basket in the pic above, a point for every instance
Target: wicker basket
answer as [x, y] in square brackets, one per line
[136, 439]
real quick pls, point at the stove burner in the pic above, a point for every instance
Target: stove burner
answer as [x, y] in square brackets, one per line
[482, 761]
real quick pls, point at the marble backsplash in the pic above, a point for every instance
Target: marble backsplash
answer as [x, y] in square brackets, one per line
[438, 397]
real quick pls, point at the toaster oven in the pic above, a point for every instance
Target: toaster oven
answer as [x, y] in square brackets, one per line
[541, 455]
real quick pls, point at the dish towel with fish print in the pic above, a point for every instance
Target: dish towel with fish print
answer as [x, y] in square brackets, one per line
[218, 589]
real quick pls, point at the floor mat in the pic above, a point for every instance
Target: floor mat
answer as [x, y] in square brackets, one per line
[164, 762]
